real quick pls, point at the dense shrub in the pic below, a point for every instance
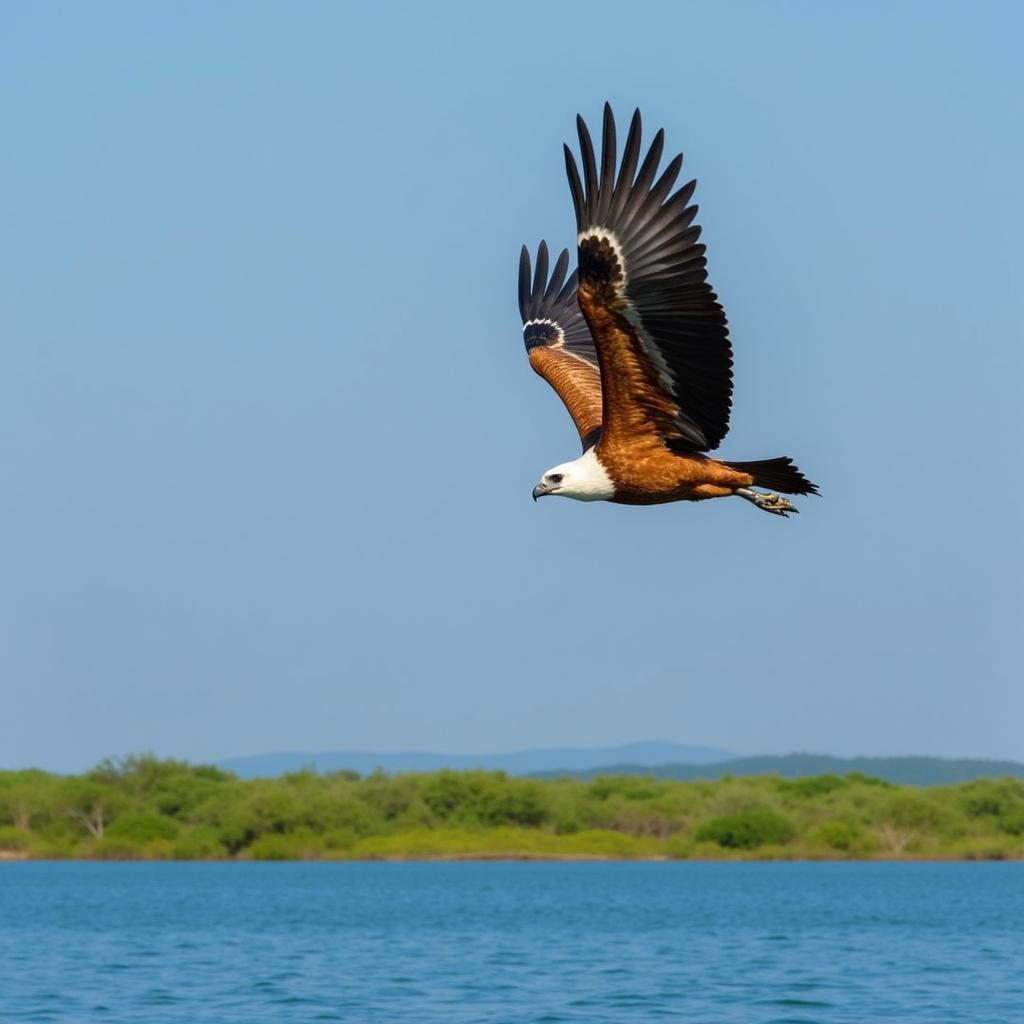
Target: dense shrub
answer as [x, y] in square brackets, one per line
[143, 828]
[630, 787]
[114, 848]
[200, 843]
[748, 830]
[14, 840]
[737, 796]
[300, 845]
[918, 811]
[341, 839]
[814, 785]
[1000, 800]
[840, 835]
[1012, 822]
[869, 780]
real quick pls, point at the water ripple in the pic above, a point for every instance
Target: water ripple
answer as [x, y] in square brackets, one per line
[511, 943]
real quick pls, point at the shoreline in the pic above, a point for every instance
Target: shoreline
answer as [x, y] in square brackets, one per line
[511, 857]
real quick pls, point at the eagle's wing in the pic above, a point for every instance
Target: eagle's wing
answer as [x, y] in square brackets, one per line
[661, 336]
[558, 340]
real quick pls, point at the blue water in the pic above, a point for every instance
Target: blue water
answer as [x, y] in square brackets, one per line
[512, 943]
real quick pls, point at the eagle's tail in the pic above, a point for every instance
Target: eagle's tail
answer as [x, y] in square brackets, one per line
[776, 475]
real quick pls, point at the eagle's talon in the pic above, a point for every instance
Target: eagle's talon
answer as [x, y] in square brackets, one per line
[772, 502]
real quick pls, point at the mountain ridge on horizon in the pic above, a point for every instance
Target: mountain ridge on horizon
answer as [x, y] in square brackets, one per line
[656, 758]
[910, 769]
[645, 753]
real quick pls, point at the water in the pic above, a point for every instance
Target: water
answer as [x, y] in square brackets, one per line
[535, 943]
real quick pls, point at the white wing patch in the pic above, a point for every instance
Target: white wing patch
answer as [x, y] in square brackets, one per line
[545, 322]
[613, 240]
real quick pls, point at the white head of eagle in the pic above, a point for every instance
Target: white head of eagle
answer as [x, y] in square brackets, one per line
[584, 479]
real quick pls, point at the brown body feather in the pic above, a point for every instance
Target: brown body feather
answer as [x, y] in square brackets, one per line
[638, 415]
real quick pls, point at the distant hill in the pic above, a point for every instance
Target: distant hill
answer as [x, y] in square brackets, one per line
[640, 756]
[915, 771]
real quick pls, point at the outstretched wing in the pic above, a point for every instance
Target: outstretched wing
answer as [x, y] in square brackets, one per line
[660, 333]
[558, 340]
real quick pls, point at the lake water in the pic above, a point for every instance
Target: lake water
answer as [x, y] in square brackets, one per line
[519, 943]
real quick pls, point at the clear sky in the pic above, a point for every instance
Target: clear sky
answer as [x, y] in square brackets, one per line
[268, 434]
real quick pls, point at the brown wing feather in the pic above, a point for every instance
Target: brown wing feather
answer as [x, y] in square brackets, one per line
[558, 341]
[632, 402]
[578, 385]
[660, 333]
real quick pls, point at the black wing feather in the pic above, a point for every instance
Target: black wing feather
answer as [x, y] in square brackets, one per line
[630, 158]
[557, 277]
[680, 322]
[549, 311]
[589, 162]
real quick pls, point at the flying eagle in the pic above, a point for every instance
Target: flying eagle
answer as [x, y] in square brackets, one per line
[635, 342]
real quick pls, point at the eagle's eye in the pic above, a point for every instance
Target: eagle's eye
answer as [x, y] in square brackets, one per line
[555, 478]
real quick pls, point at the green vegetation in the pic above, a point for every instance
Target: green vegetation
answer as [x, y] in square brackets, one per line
[748, 830]
[143, 807]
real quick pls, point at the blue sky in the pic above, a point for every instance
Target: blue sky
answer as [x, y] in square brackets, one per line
[268, 434]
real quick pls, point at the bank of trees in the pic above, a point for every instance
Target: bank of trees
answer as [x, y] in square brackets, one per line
[144, 807]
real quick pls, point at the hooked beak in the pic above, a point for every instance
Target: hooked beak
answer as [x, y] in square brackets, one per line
[540, 490]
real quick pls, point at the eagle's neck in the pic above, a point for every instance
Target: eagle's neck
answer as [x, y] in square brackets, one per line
[588, 480]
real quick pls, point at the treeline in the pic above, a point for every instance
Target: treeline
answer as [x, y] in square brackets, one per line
[145, 807]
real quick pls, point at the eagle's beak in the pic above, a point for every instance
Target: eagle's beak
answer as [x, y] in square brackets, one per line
[540, 490]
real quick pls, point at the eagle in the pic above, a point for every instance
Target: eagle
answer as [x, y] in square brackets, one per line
[635, 341]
